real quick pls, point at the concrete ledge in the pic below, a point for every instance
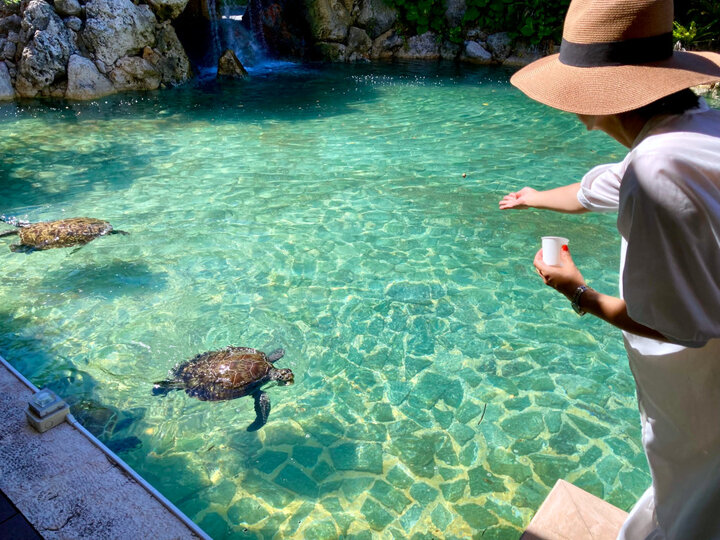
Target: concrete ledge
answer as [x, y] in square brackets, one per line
[67, 487]
[570, 513]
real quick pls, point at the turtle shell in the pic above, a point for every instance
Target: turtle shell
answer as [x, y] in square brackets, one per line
[63, 232]
[228, 373]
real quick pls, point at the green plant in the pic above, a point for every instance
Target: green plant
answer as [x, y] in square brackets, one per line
[533, 20]
[698, 25]
[420, 16]
[684, 35]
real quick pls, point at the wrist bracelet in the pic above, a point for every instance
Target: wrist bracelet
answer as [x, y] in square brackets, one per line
[575, 303]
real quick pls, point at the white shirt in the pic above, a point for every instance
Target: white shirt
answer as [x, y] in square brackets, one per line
[667, 194]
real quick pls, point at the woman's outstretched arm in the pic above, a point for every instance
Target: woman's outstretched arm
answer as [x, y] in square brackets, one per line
[563, 199]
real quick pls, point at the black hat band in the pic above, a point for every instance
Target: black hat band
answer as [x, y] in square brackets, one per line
[617, 53]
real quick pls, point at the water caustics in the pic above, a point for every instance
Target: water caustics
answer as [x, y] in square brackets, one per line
[347, 215]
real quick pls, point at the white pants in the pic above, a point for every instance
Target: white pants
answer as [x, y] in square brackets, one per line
[679, 399]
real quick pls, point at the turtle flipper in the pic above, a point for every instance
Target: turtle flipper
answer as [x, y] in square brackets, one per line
[9, 233]
[276, 355]
[21, 248]
[161, 388]
[262, 410]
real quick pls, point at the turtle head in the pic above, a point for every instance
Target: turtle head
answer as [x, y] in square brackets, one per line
[284, 377]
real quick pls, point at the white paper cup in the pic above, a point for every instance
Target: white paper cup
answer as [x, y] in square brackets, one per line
[551, 246]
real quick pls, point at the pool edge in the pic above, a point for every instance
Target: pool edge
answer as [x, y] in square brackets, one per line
[83, 492]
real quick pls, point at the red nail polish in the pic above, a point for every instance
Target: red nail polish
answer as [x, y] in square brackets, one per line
[565, 248]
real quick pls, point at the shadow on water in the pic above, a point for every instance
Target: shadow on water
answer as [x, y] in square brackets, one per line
[27, 352]
[118, 278]
[32, 178]
[286, 92]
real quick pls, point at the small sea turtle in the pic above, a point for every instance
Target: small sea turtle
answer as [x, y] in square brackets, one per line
[229, 373]
[56, 234]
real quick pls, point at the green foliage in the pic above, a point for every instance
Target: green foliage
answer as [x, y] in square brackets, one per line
[684, 35]
[533, 20]
[698, 25]
[419, 16]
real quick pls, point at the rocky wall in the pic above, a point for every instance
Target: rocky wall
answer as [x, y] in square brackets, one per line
[85, 49]
[366, 30]
[80, 49]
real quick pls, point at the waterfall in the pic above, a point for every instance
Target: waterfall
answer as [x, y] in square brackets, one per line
[237, 17]
[254, 13]
[214, 30]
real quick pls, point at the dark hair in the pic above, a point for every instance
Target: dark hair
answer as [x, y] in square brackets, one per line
[676, 103]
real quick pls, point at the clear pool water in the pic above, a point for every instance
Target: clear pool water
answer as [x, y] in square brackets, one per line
[348, 215]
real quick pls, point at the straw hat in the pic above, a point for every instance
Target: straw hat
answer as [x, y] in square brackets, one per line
[615, 56]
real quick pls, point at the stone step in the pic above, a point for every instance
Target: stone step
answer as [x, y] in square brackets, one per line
[570, 513]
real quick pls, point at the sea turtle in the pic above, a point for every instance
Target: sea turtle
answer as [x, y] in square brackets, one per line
[229, 373]
[56, 234]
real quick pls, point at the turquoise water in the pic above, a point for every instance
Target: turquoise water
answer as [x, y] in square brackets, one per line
[348, 215]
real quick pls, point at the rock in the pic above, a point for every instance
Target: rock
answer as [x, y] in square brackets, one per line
[474, 52]
[455, 12]
[476, 516]
[475, 34]
[450, 51]
[525, 425]
[409, 292]
[85, 81]
[453, 491]
[230, 66]
[385, 45]
[247, 511]
[117, 28]
[399, 478]
[102, 67]
[10, 23]
[172, 62]
[524, 54]
[441, 517]
[422, 47]
[375, 515]
[46, 54]
[376, 16]
[9, 50]
[500, 45]
[10, 7]
[13, 37]
[329, 19]
[67, 7]
[332, 52]
[293, 479]
[391, 497]
[6, 89]
[167, 9]
[134, 73]
[358, 42]
[366, 457]
[417, 453]
[73, 23]
[423, 493]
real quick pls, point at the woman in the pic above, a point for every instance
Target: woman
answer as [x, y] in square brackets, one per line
[618, 72]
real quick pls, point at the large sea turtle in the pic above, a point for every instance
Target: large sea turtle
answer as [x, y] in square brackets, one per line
[56, 234]
[229, 373]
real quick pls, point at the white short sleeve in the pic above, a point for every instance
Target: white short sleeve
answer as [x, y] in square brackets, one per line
[670, 217]
[600, 188]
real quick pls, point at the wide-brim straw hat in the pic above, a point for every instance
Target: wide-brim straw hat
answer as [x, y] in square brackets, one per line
[615, 56]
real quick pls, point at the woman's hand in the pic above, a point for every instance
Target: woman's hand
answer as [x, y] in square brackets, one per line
[520, 199]
[565, 278]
